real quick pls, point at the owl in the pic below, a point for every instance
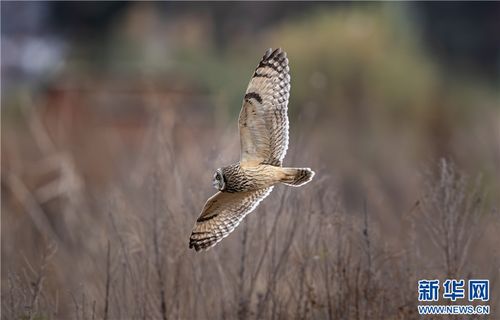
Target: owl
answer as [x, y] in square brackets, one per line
[263, 126]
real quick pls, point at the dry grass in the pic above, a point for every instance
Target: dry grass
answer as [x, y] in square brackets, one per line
[122, 252]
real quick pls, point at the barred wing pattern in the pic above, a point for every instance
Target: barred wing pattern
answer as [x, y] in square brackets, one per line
[263, 120]
[221, 214]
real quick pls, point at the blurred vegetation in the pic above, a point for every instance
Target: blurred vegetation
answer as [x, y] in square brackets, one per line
[108, 149]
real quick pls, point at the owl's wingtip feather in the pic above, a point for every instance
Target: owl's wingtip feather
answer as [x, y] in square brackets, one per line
[268, 53]
[194, 245]
[203, 243]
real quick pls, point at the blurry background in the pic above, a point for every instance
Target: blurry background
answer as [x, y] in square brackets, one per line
[116, 114]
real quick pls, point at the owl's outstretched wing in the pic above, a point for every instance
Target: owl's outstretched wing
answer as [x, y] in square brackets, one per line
[263, 118]
[221, 214]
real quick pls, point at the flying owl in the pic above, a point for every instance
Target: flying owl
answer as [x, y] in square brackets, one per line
[263, 124]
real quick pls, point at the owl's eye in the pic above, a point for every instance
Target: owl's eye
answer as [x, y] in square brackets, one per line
[217, 177]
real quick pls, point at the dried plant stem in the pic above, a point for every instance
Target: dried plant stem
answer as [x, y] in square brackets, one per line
[159, 271]
[108, 281]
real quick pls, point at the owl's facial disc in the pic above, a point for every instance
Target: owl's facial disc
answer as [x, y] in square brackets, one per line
[218, 180]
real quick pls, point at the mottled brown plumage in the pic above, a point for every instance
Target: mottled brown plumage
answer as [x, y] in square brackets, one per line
[263, 124]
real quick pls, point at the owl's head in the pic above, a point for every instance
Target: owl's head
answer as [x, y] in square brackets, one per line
[218, 180]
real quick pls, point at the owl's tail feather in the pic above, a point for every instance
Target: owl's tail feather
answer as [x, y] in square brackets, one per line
[297, 177]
